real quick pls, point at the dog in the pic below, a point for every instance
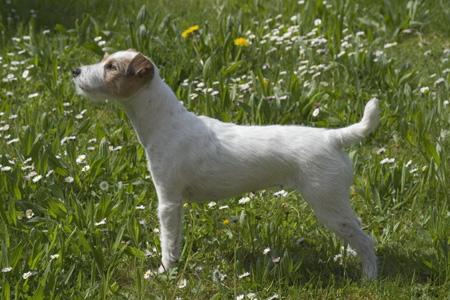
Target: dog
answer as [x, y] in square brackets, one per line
[199, 159]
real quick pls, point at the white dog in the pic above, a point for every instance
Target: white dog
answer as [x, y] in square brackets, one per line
[199, 159]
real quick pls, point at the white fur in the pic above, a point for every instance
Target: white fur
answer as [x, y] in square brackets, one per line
[198, 159]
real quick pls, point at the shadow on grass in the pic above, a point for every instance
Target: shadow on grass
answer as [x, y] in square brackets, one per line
[394, 262]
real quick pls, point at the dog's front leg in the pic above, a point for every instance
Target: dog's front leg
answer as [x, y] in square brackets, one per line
[170, 218]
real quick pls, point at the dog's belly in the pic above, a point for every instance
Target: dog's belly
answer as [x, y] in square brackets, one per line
[229, 182]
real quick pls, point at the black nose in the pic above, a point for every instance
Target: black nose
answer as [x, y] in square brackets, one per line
[76, 72]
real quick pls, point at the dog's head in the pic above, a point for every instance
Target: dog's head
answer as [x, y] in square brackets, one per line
[118, 76]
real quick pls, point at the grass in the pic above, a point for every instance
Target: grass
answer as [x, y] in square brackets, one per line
[78, 208]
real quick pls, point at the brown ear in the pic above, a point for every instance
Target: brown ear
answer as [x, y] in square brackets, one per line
[105, 57]
[141, 66]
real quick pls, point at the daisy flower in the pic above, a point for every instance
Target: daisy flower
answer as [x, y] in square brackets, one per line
[68, 179]
[147, 274]
[5, 270]
[281, 193]
[104, 185]
[26, 275]
[244, 275]
[211, 204]
[182, 283]
[244, 200]
[267, 250]
[85, 168]
[37, 178]
[424, 90]
[101, 222]
[81, 158]
[316, 112]
[29, 213]
[52, 257]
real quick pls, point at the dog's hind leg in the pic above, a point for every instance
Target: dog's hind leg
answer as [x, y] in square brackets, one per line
[332, 207]
[170, 217]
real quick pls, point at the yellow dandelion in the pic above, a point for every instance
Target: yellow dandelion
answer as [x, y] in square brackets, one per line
[189, 31]
[226, 222]
[241, 42]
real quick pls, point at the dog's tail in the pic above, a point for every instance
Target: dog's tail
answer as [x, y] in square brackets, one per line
[347, 136]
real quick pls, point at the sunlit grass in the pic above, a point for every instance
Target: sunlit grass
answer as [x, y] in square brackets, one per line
[78, 207]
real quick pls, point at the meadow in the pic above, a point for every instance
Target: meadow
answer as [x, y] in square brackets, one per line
[78, 207]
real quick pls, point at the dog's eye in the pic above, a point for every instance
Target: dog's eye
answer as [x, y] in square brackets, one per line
[111, 67]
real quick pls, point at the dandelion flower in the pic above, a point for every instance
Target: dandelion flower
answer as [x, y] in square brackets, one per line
[68, 179]
[182, 283]
[104, 185]
[29, 213]
[241, 42]
[189, 31]
[147, 274]
[5, 270]
[226, 222]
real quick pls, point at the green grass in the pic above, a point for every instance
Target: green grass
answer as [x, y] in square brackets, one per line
[291, 67]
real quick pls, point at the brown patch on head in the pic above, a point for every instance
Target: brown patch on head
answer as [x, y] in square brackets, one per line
[124, 77]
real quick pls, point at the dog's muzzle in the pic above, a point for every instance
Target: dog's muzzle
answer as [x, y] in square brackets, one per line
[76, 72]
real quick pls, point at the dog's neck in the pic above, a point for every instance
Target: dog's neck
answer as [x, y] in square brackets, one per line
[148, 110]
